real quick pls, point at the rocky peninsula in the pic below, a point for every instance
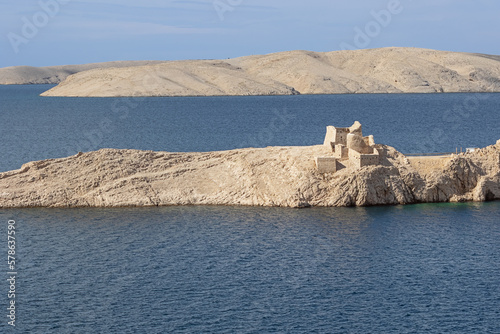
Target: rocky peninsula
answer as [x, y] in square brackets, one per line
[386, 70]
[273, 176]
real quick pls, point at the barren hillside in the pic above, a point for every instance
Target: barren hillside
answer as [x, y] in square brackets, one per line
[273, 176]
[387, 70]
[28, 75]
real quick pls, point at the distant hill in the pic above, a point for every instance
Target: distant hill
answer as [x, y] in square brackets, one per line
[26, 75]
[386, 70]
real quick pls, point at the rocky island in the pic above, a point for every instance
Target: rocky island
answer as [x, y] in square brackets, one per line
[386, 70]
[348, 169]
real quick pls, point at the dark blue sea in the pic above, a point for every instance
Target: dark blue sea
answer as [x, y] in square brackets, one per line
[431, 268]
[36, 128]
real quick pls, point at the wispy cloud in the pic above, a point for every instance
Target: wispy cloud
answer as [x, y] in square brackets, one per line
[150, 4]
[113, 29]
[91, 19]
[93, 30]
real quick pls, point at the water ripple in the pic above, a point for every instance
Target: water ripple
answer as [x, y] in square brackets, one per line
[423, 268]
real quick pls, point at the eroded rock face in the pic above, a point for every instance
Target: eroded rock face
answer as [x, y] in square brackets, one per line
[274, 176]
[356, 129]
[357, 143]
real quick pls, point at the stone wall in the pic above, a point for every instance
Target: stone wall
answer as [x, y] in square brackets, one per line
[370, 159]
[341, 152]
[357, 143]
[359, 160]
[341, 135]
[348, 143]
[369, 140]
[335, 136]
[326, 164]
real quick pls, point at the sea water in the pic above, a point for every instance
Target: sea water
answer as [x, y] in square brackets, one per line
[36, 128]
[403, 269]
[432, 268]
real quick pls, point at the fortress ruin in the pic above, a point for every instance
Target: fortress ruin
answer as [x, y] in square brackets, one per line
[348, 147]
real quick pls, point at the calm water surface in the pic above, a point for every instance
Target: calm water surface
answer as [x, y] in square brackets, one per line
[423, 268]
[36, 128]
[412, 269]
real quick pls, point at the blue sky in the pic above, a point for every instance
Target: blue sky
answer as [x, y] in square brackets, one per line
[57, 32]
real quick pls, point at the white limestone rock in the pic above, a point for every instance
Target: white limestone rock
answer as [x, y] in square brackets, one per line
[357, 143]
[273, 176]
[356, 129]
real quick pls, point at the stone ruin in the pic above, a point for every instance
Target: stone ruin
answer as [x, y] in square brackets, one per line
[348, 147]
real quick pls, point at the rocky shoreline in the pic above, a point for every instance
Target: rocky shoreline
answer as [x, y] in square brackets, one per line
[273, 176]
